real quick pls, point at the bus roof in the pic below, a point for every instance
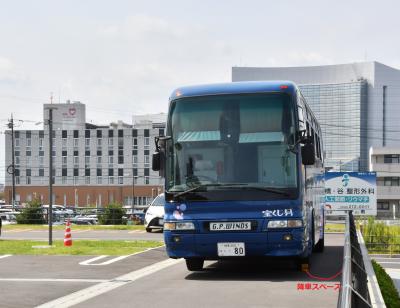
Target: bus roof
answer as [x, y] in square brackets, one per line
[234, 88]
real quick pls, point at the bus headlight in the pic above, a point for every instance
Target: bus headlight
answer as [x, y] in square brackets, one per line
[180, 225]
[282, 223]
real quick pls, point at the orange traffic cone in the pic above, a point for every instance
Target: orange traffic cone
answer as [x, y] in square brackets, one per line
[67, 236]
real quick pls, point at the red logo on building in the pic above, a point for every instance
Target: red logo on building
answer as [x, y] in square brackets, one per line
[72, 111]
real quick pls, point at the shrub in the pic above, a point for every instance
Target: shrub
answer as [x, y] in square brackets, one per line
[32, 214]
[112, 215]
[388, 289]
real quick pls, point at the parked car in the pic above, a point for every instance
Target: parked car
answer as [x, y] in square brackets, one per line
[154, 218]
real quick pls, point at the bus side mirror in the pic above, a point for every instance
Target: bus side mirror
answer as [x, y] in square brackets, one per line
[156, 161]
[308, 154]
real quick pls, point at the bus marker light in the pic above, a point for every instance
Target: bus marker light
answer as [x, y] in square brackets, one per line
[176, 239]
[287, 237]
[284, 87]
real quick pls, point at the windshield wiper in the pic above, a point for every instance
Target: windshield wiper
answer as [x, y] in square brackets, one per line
[267, 189]
[195, 188]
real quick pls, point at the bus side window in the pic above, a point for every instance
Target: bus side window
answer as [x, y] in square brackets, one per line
[301, 118]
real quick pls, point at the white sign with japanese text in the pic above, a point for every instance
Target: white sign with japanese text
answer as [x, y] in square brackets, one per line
[354, 191]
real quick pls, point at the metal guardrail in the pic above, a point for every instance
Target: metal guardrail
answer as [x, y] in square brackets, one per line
[354, 290]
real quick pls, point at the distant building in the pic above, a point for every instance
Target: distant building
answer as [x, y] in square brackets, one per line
[386, 163]
[93, 164]
[356, 104]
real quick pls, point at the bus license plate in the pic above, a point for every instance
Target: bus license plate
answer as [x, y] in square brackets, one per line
[231, 249]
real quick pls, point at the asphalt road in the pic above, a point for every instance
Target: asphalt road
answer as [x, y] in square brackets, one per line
[151, 280]
[26, 234]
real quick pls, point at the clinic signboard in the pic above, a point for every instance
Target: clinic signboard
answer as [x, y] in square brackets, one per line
[354, 191]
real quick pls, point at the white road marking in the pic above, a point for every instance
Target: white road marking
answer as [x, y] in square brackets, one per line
[104, 287]
[52, 280]
[136, 231]
[393, 273]
[17, 230]
[89, 262]
[4, 256]
[388, 262]
[393, 259]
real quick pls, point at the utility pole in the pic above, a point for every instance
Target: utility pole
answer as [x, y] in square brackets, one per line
[50, 210]
[11, 168]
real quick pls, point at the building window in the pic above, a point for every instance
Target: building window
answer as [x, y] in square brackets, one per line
[110, 142]
[64, 180]
[17, 142]
[99, 180]
[64, 143]
[391, 181]
[87, 161]
[146, 143]
[53, 142]
[87, 142]
[41, 160]
[120, 159]
[135, 143]
[120, 143]
[17, 180]
[64, 160]
[41, 172]
[64, 134]
[76, 143]
[135, 160]
[120, 180]
[17, 160]
[391, 159]
[147, 161]
[87, 133]
[99, 159]
[110, 180]
[76, 161]
[75, 180]
[29, 142]
[99, 142]
[110, 159]
[99, 134]
[28, 161]
[383, 205]
[147, 180]
[161, 132]
[87, 179]
[16, 153]
[64, 153]
[41, 141]
[28, 153]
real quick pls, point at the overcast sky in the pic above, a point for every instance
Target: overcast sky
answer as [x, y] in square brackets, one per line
[125, 57]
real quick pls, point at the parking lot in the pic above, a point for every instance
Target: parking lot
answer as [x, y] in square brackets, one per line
[150, 279]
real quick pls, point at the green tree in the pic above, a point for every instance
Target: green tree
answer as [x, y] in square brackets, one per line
[31, 214]
[112, 215]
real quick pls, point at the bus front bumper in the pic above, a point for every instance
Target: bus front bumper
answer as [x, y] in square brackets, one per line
[285, 243]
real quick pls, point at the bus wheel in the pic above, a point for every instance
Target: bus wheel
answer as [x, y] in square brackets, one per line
[320, 245]
[194, 264]
[148, 230]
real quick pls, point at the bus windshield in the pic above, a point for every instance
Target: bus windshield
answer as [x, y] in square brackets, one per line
[224, 141]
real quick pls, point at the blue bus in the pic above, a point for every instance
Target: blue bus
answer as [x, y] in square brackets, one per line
[243, 168]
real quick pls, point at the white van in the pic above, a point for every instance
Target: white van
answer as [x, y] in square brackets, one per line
[154, 218]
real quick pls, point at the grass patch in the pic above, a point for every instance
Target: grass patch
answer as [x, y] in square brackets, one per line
[79, 247]
[388, 289]
[331, 227]
[381, 238]
[74, 227]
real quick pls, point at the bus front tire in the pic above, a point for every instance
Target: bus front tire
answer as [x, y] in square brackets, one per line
[320, 246]
[194, 264]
